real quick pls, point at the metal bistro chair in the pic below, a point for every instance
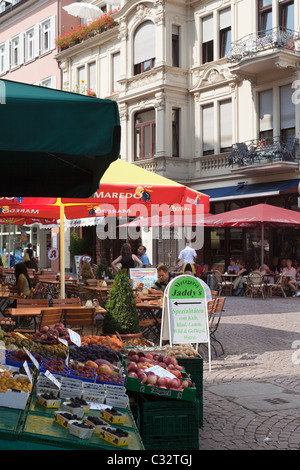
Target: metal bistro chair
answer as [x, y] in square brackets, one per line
[220, 283]
[256, 284]
[214, 320]
[278, 287]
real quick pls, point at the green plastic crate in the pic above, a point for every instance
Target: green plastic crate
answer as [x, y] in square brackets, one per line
[9, 423]
[169, 424]
[194, 367]
[158, 443]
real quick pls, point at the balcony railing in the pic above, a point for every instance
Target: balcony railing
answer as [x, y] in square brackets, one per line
[270, 40]
[264, 151]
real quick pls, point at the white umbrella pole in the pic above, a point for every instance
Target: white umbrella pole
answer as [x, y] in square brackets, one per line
[62, 249]
[262, 241]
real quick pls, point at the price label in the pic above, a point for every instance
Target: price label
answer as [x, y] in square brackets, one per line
[28, 372]
[52, 378]
[75, 337]
[161, 372]
[33, 359]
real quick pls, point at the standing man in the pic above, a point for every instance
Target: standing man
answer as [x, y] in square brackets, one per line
[188, 257]
[143, 256]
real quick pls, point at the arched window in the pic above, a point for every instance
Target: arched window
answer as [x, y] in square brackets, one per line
[144, 47]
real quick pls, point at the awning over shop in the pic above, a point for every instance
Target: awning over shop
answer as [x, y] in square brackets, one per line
[242, 190]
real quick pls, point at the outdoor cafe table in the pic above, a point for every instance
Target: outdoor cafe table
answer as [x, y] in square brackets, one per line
[149, 310]
[35, 312]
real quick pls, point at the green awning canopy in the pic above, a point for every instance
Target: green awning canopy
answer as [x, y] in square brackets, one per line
[54, 143]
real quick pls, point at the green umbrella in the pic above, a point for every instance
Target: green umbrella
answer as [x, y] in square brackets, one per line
[54, 143]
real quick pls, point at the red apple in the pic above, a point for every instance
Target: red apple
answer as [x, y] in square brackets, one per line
[167, 360]
[133, 374]
[163, 365]
[135, 358]
[152, 379]
[132, 367]
[186, 383]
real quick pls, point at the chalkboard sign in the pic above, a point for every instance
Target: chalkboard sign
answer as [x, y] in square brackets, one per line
[184, 316]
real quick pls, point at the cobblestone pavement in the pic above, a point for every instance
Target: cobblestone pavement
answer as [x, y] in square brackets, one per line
[251, 396]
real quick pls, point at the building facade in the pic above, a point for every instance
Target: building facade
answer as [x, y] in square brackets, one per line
[207, 93]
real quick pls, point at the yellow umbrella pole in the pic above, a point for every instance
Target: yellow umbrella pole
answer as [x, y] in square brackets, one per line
[62, 248]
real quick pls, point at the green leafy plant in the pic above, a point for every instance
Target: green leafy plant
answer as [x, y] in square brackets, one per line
[103, 267]
[122, 315]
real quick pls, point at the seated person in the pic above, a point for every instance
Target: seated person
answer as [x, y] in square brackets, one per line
[242, 277]
[289, 276]
[266, 270]
[233, 268]
[164, 277]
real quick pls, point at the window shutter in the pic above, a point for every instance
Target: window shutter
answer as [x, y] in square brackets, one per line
[144, 42]
[225, 18]
[53, 82]
[266, 110]
[36, 40]
[208, 127]
[207, 29]
[7, 56]
[21, 49]
[116, 71]
[52, 33]
[93, 76]
[225, 124]
[287, 107]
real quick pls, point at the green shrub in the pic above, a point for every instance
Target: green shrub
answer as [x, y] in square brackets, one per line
[122, 315]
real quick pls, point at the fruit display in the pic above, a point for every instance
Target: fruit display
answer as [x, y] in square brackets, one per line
[10, 382]
[112, 415]
[81, 371]
[112, 341]
[55, 366]
[94, 352]
[14, 342]
[97, 422]
[181, 350]
[80, 429]
[156, 373]
[115, 436]
[51, 333]
[63, 418]
[48, 400]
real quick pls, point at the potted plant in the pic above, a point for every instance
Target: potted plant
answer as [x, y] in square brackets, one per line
[122, 315]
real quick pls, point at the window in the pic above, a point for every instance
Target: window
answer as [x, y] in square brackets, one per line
[29, 45]
[46, 82]
[116, 71]
[47, 35]
[225, 126]
[264, 15]
[175, 132]
[207, 39]
[287, 112]
[208, 129]
[225, 31]
[92, 76]
[266, 114]
[144, 48]
[175, 46]
[15, 52]
[144, 135]
[286, 14]
[81, 77]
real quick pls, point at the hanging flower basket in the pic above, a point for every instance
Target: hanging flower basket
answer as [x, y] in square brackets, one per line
[86, 31]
